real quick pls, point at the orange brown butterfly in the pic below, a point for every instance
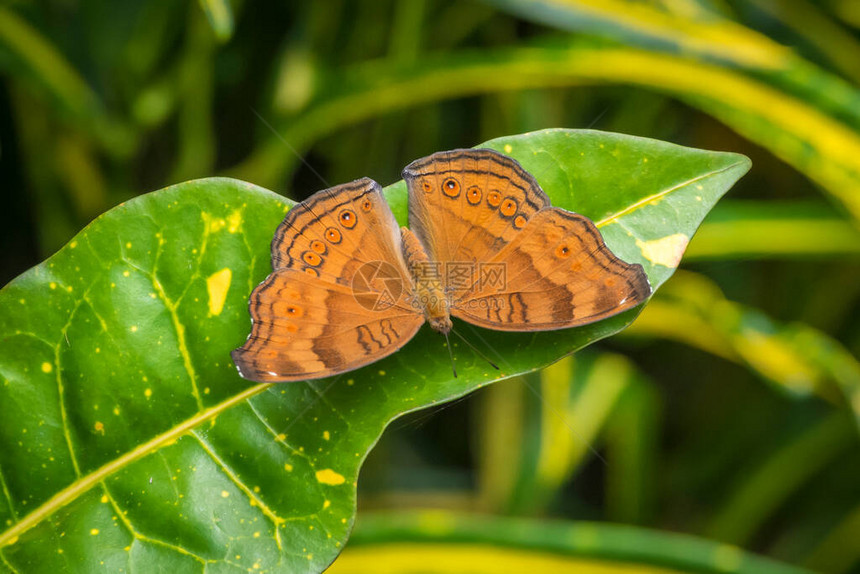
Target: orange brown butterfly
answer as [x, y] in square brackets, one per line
[349, 286]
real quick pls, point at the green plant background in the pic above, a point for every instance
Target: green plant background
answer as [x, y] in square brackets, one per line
[726, 411]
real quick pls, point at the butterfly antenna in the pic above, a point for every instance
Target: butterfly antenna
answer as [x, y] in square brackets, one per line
[451, 354]
[475, 349]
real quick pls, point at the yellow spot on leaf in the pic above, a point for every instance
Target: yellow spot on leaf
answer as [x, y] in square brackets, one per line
[125, 273]
[218, 284]
[73, 244]
[128, 245]
[53, 285]
[224, 494]
[47, 367]
[289, 467]
[281, 436]
[12, 541]
[666, 251]
[104, 499]
[328, 476]
[326, 435]
[326, 504]
[234, 221]
[509, 148]
[147, 393]
[100, 427]
[94, 531]
[133, 329]
[256, 535]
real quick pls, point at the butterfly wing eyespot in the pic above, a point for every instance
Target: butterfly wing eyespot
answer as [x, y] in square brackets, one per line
[451, 187]
[473, 195]
[347, 218]
[520, 221]
[494, 198]
[312, 258]
[366, 205]
[332, 235]
[562, 251]
[425, 185]
[508, 207]
[319, 247]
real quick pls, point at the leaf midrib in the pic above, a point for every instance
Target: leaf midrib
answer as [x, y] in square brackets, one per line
[660, 194]
[84, 483]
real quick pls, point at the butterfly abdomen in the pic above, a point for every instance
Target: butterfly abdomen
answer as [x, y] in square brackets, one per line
[428, 290]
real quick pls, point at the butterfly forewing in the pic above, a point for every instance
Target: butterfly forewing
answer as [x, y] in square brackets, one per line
[340, 294]
[336, 231]
[466, 205]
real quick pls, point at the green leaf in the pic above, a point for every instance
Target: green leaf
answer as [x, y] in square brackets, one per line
[795, 357]
[821, 141]
[764, 487]
[220, 17]
[40, 60]
[413, 541]
[539, 429]
[128, 439]
[749, 228]
[708, 35]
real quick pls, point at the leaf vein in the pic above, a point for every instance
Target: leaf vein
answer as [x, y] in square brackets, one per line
[655, 196]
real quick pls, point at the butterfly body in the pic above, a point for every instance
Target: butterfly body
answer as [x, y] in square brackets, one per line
[429, 296]
[349, 286]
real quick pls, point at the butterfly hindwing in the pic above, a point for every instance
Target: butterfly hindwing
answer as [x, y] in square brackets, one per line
[307, 328]
[557, 273]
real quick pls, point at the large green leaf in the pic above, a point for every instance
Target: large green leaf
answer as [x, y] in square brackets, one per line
[130, 443]
[430, 541]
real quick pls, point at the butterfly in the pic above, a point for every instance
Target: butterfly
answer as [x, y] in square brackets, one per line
[349, 286]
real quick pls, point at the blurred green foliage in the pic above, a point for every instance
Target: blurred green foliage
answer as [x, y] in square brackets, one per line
[728, 410]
